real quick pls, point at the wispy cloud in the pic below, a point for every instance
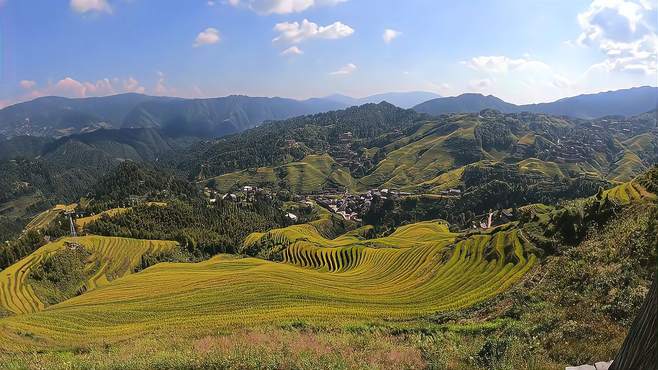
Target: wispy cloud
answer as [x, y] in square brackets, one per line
[73, 88]
[266, 7]
[345, 70]
[295, 32]
[503, 64]
[27, 84]
[86, 6]
[207, 37]
[293, 50]
[480, 85]
[390, 34]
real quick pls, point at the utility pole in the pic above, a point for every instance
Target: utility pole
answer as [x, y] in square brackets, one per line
[72, 224]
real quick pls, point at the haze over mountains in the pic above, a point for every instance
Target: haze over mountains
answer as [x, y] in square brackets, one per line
[215, 117]
[57, 117]
[400, 99]
[625, 102]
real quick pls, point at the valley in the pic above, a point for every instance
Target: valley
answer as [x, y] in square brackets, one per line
[328, 184]
[409, 231]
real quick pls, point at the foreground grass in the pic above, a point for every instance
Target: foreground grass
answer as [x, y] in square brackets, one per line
[292, 348]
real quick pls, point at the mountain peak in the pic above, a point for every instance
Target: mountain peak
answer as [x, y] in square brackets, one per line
[626, 102]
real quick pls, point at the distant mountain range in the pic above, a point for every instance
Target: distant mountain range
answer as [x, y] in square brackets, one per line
[625, 102]
[57, 117]
[215, 117]
[399, 99]
[220, 116]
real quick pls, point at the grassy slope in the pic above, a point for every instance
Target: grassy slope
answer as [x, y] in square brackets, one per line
[416, 271]
[44, 218]
[432, 156]
[628, 192]
[424, 155]
[311, 174]
[629, 166]
[81, 222]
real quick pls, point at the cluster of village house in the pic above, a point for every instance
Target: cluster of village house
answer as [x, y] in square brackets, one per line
[352, 206]
[588, 139]
[349, 206]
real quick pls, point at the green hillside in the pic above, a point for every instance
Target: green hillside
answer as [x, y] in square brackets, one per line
[425, 155]
[312, 174]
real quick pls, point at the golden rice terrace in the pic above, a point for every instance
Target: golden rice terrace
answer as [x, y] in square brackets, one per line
[418, 270]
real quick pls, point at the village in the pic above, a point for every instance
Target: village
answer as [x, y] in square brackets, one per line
[350, 206]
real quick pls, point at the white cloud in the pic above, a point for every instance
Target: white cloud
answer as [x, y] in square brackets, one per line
[72, 88]
[503, 64]
[27, 84]
[266, 7]
[161, 87]
[561, 82]
[345, 70]
[132, 85]
[84, 6]
[624, 31]
[207, 37]
[293, 50]
[69, 87]
[521, 80]
[295, 32]
[211, 3]
[390, 34]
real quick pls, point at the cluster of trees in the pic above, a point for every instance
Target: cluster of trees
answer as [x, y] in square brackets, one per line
[141, 180]
[114, 189]
[10, 227]
[27, 176]
[495, 134]
[61, 275]
[12, 251]
[201, 230]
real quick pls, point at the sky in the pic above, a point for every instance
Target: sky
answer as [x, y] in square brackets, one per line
[519, 50]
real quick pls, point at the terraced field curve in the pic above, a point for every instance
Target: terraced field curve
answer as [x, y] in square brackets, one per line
[628, 192]
[110, 257]
[416, 271]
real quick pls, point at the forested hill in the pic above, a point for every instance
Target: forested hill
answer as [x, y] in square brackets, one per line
[289, 140]
[382, 145]
[40, 172]
[54, 116]
[141, 180]
[220, 116]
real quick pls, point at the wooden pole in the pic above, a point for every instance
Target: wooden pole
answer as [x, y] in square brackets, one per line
[639, 349]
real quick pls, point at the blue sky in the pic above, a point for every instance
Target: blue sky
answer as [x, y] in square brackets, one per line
[521, 51]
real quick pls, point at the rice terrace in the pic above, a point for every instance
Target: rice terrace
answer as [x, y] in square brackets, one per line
[328, 184]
